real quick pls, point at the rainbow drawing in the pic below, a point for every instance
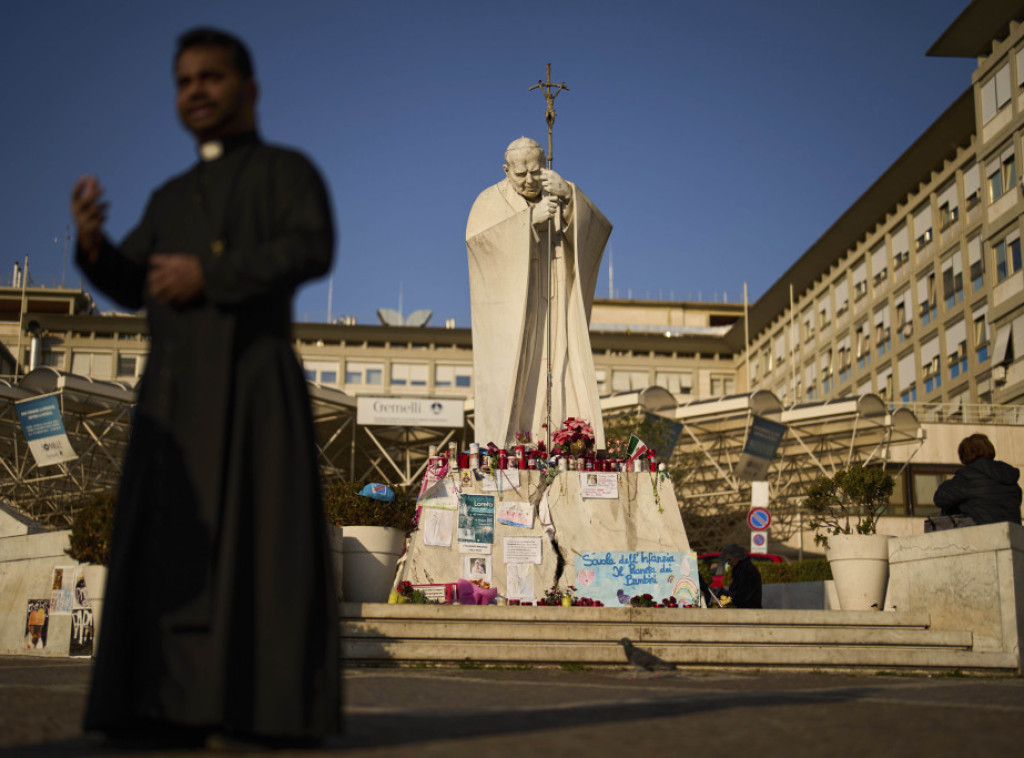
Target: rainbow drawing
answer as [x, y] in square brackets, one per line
[686, 591]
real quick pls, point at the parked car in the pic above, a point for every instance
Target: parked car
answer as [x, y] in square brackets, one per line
[716, 566]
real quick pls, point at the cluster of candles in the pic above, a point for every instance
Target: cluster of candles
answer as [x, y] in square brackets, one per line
[529, 458]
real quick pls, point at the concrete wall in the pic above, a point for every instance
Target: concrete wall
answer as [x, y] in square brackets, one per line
[13, 523]
[26, 570]
[805, 596]
[964, 578]
[941, 441]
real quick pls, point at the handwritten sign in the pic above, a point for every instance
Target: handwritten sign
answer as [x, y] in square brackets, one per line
[437, 593]
[615, 577]
[597, 484]
[440, 495]
[436, 525]
[515, 514]
[519, 584]
[522, 550]
[503, 479]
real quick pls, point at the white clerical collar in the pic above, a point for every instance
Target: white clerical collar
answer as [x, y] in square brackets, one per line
[212, 150]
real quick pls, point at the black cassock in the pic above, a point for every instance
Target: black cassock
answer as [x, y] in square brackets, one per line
[220, 609]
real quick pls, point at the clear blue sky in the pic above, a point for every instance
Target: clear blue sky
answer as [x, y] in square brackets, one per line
[721, 138]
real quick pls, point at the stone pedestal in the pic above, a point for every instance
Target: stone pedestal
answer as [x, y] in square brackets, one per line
[645, 516]
[971, 578]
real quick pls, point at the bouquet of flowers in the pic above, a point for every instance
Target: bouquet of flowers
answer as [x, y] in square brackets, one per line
[406, 593]
[575, 436]
[616, 448]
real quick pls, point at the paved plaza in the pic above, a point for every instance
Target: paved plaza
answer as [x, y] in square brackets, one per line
[550, 711]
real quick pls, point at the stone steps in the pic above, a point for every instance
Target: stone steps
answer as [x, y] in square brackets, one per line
[377, 633]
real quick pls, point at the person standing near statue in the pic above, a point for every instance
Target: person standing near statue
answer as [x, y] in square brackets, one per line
[221, 614]
[745, 588]
[516, 298]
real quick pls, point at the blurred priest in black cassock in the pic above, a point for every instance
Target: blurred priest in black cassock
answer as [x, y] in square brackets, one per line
[220, 615]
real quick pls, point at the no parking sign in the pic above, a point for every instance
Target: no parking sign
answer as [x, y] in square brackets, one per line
[759, 518]
[759, 542]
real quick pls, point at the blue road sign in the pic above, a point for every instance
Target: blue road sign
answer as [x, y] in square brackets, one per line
[759, 518]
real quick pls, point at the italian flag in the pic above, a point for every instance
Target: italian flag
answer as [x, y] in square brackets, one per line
[636, 448]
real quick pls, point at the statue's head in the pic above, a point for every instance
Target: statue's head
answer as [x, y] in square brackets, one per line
[524, 161]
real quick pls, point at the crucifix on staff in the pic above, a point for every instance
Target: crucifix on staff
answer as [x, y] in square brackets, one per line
[551, 91]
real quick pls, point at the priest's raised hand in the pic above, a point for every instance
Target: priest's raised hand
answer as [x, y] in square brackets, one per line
[89, 213]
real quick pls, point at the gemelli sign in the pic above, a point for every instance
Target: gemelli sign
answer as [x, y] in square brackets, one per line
[404, 411]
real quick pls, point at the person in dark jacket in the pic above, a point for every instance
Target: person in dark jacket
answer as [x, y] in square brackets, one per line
[984, 489]
[745, 589]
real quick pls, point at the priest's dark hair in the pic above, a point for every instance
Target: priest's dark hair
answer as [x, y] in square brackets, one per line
[206, 37]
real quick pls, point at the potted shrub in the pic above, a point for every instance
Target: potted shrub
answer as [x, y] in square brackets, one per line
[367, 538]
[91, 528]
[845, 509]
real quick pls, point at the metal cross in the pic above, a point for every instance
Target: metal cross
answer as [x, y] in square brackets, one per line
[550, 91]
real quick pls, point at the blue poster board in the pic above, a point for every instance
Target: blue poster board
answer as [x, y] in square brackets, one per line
[759, 451]
[43, 427]
[615, 577]
[476, 519]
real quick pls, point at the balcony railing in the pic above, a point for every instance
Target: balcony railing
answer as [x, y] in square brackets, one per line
[967, 413]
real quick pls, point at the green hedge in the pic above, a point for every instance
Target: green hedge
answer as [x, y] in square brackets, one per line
[811, 570]
[344, 506]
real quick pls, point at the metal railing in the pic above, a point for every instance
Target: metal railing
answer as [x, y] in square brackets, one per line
[966, 413]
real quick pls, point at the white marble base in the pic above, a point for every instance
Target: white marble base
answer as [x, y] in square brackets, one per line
[645, 516]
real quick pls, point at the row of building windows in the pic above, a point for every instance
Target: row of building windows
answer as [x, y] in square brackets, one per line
[371, 373]
[400, 374]
[917, 302]
[860, 345]
[1003, 253]
[98, 364]
[997, 91]
[111, 365]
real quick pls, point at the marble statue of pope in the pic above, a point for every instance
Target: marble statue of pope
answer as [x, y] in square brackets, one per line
[507, 242]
